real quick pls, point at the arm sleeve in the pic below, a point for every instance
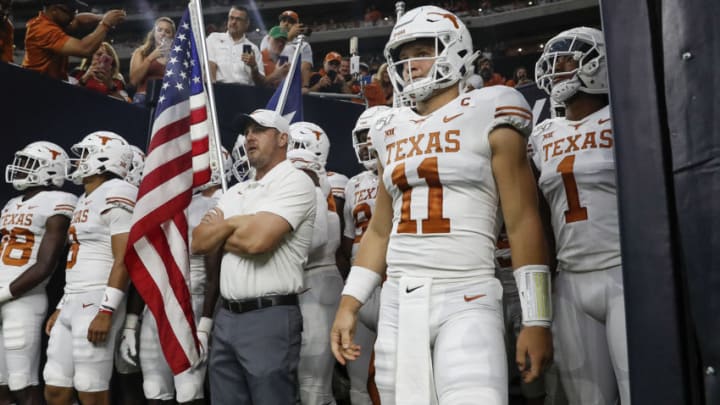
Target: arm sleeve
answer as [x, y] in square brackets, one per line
[349, 231]
[64, 204]
[118, 219]
[512, 109]
[294, 201]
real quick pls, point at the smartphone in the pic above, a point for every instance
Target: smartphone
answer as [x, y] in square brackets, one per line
[282, 59]
[331, 74]
[247, 49]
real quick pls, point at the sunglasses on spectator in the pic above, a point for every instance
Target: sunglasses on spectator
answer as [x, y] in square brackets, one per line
[288, 19]
[334, 63]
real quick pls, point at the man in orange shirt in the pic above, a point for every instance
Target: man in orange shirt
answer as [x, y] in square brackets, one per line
[47, 44]
[6, 32]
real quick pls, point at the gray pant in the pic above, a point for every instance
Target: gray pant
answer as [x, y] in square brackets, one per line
[254, 356]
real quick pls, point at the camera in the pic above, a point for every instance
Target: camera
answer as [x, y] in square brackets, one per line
[331, 74]
[247, 49]
[306, 30]
[282, 59]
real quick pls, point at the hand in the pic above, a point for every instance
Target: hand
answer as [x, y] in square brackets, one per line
[324, 82]
[128, 346]
[213, 216]
[534, 342]
[203, 334]
[295, 30]
[99, 328]
[114, 17]
[249, 59]
[343, 331]
[51, 321]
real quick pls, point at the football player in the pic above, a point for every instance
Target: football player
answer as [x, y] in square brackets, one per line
[136, 168]
[575, 159]
[34, 228]
[360, 200]
[321, 279]
[84, 326]
[447, 164]
[159, 384]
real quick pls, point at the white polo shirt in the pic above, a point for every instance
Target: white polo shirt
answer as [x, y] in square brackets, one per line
[226, 54]
[283, 191]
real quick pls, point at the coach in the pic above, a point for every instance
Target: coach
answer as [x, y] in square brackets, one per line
[263, 228]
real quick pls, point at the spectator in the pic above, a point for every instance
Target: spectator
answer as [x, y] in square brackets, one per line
[365, 76]
[490, 78]
[372, 14]
[289, 21]
[233, 58]
[275, 67]
[102, 73]
[520, 78]
[328, 79]
[263, 228]
[380, 90]
[148, 61]
[47, 44]
[6, 32]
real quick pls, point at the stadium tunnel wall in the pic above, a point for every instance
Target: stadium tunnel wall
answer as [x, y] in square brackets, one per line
[663, 58]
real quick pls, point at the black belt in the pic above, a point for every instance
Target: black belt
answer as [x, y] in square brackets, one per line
[252, 304]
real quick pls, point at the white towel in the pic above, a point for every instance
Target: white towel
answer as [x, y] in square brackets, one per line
[414, 381]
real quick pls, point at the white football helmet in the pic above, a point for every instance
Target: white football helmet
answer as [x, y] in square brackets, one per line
[215, 178]
[241, 166]
[136, 168]
[361, 141]
[584, 45]
[38, 164]
[306, 135]
[304, 159]
[100, 152]
[452, 60]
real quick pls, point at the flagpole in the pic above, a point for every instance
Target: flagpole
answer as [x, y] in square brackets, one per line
[196, 18]
[288, 80]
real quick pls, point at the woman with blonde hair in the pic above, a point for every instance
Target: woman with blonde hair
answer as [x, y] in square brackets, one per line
[101, 73]
[380, 90]
[148, 61]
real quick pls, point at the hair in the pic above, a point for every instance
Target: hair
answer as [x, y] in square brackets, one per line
[86, 62]
[378, 76]
[240, 8]
[149, 45]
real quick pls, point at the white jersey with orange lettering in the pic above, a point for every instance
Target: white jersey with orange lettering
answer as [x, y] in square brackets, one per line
[22, 227]
[199, 206]
[577, 178]
[360, 195]
[337, 184]
[437, 169]
[90, 258]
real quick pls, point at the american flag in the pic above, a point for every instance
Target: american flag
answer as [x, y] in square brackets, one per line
[178, 159]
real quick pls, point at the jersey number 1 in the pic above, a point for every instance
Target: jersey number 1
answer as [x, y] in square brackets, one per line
[574, 212]
[435, 222]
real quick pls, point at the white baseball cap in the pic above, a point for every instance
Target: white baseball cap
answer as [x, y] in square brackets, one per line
[267, 119]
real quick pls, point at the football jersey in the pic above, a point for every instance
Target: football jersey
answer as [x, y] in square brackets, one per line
[437, 170]
[22, 226]
[577, 177]
[199, 206]
[90, 258]
[337, 184]
[360, 195]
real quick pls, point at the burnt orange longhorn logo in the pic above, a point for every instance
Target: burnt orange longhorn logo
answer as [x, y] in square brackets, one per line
[450, 17]
[318, 134]
[104, 139]
[54, 153]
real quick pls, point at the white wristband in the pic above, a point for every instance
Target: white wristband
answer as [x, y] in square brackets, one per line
[533, 283]
[112, 299]
[361, 283]
[5, 294]
[131, 321]
[205, 325]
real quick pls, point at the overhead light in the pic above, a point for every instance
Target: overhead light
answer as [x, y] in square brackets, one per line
[519, 49]
[530, 3]
[257, 29]
[479, 10]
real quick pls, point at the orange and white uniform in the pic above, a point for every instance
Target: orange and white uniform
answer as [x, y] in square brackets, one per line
[72, 360]
[360, 193]
[22, 226]
[440, 257]
[577, 177]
